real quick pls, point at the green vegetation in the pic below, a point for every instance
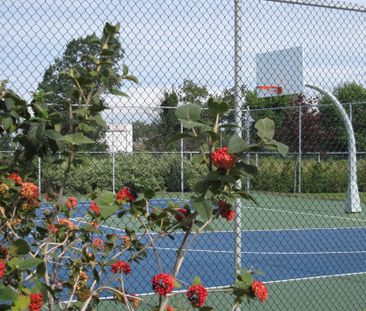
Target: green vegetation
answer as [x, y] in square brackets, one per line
[163, 172]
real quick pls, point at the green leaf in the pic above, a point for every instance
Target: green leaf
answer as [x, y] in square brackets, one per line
[7, 294]
[265, 128]
[77, 139]
[106, 202]
[236, 145]
[21, 303]
[19, 247]
[245, 195]
[29, 263]
[205, 308]
[132, 78]
[177, 284]
[118, 92]
[196, 280]
[96, 275]
[52, 134]
[36, 131]
[282, 148]
[188, 112]
[217, 107]
[41, 270]
[247, 168]
[192, 124]
[203, 208]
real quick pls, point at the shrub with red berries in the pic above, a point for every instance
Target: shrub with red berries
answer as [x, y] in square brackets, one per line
[35, 302]
[71, 203]
[259, 290]
[181, 214]
[121, 266]
[94, 207]
[29, 191]
[220, 158]
[226, 210]
[2, 269]
[163, 284]
[196, 295]
[16, 178]
[125, 195]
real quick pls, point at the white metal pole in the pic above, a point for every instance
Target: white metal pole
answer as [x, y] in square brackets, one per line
[300, 149]
[181, 162]
[353, 203]
[39, 176]
[113, 163]
[239, 103]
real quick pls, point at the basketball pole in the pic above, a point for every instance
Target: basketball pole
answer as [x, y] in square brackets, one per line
[239, 102]
[353, 203]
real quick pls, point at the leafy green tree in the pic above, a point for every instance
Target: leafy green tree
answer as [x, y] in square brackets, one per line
[167, 125]
[81, 54]
[347, 93]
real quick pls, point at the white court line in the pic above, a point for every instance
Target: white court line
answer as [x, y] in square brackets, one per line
[263, 253]
[316, 277]
[79, 219]
[327, 276]
[303, 213]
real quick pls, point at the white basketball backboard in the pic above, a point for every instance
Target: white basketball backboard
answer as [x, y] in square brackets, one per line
[280, 72]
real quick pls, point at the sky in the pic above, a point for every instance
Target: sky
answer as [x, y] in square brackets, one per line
[167, 42]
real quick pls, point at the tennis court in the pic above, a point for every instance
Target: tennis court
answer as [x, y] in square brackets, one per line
[305, 246]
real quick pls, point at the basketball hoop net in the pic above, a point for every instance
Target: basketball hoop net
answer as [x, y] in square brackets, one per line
[271, 88]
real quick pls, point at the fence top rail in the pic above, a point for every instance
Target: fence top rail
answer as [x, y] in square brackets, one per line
[336, 5]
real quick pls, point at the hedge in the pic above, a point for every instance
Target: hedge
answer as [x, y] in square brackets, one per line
[163, 172]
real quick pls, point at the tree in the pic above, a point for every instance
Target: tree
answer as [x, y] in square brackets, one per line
[314, 136]
[347, 93]
[158, 133]
[80, 54]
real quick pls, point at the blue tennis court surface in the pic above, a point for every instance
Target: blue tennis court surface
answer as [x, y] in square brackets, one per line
[282, 254]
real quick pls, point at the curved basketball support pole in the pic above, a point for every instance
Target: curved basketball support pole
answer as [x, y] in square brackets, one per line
[353, 204]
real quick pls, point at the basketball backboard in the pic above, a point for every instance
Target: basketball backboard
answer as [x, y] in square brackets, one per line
[280, 72]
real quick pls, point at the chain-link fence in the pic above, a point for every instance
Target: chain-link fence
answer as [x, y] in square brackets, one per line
[312, 253]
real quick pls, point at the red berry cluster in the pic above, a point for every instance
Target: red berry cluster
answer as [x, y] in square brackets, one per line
[260, 290]
[2, 269]
[121, 266]
[29, 191]
[71, 203]
[180, 211]
[163, 284]
[16, 178]
[196, 295]
[98, 243]
[222, 159]
[53, 228]
[35, 302]
[225, 210]
[169, 308]
[94, 207]
[125, 195]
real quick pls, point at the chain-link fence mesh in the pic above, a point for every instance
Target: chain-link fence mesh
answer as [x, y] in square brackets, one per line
[312, 253]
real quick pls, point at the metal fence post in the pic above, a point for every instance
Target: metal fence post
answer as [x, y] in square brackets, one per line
[39, 176]
[113, 164]
[181, 161]
[238, 100]
[300, 149]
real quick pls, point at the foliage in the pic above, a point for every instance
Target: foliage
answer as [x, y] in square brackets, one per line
[39, 244]
[80, 56]
[347, 93]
